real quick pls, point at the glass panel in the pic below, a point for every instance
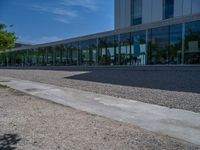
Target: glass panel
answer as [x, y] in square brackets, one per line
[102, 51]
[50, 56]
[168, 9]
[138, 56]
[136, 12]
[59, 50]
[107, 50]
[110, 51]
[75, 53]
[68, 54]
[93, 49]
[125, 49]
[85, 56]
[85, 53]
[32, 57]
[192, 43]
[159, 46]
[42, 57]
[3, 59]
[175, 47]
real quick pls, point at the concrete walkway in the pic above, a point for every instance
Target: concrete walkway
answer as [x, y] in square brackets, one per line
[181, 124]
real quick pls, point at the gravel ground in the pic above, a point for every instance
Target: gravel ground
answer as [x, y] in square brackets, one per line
[171, 88]
[30, 123]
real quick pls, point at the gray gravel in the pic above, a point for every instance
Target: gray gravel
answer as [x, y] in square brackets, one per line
[30, 123]
[172, 88]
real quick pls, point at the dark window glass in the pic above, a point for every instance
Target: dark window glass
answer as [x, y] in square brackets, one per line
[159, 46]
[50, 56]
[168, 9]
[89, 52]
[136, 12]
[108, 48]
[68, 54]
[125, 49]
[192, 43]
[75, 53]
[85, 52]
[175, 47]
[41, 56]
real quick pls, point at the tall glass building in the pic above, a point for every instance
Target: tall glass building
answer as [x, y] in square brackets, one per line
[147, 32]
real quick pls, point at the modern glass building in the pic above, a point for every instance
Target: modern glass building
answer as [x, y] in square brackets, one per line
[147, 32]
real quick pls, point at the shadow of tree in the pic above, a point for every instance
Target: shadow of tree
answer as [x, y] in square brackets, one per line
[9, 141]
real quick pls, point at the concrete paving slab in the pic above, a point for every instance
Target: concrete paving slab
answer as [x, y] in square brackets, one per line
[181, 124]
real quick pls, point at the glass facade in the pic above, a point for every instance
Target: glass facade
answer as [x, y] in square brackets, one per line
[139, 48]
[89, 52]
[108, 51]
[168, 9]
[136, 12]
[125, 49]
[192, 43]
[165, 45]
[173, 44]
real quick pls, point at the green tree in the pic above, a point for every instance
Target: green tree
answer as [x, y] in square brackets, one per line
[7, 39]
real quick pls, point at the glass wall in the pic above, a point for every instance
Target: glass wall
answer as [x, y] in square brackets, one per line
[50, 56]
[125, 49]
[192, 43]
[59, 55]
[42, 57]
[75, 53]
[21, 58]
[93, 52]
[163, 45]
[102, 57]
[139, 46]
[89, 53]
[2, 59]
[108, 48]
[68, 54]
[159, 46]
[175, 44]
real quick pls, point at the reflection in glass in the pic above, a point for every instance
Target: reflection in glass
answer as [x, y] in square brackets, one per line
[192, 43]
[138, 56]
[175, 47]
[125, 49]
[159, 46]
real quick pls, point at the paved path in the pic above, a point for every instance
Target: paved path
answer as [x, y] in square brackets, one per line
[181, 124]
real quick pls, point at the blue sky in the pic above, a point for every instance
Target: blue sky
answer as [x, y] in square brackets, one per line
[41, 21]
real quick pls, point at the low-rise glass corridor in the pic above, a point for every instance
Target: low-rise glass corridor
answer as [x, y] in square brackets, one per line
[172, 44]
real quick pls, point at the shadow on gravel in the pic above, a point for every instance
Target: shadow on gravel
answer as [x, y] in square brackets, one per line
[170, 80]
[9, 141]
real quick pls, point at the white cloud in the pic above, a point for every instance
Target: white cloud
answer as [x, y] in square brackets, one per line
[62, 20]
[44, 39]
[88, 4]
[65, 10]
[55, 11]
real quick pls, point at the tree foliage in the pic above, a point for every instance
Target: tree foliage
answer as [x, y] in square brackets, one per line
[7, 39]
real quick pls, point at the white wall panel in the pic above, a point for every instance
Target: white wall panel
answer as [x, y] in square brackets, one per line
[187, 5]
[146, 11]
[195, 6]
[178, 8]
[157, 10]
